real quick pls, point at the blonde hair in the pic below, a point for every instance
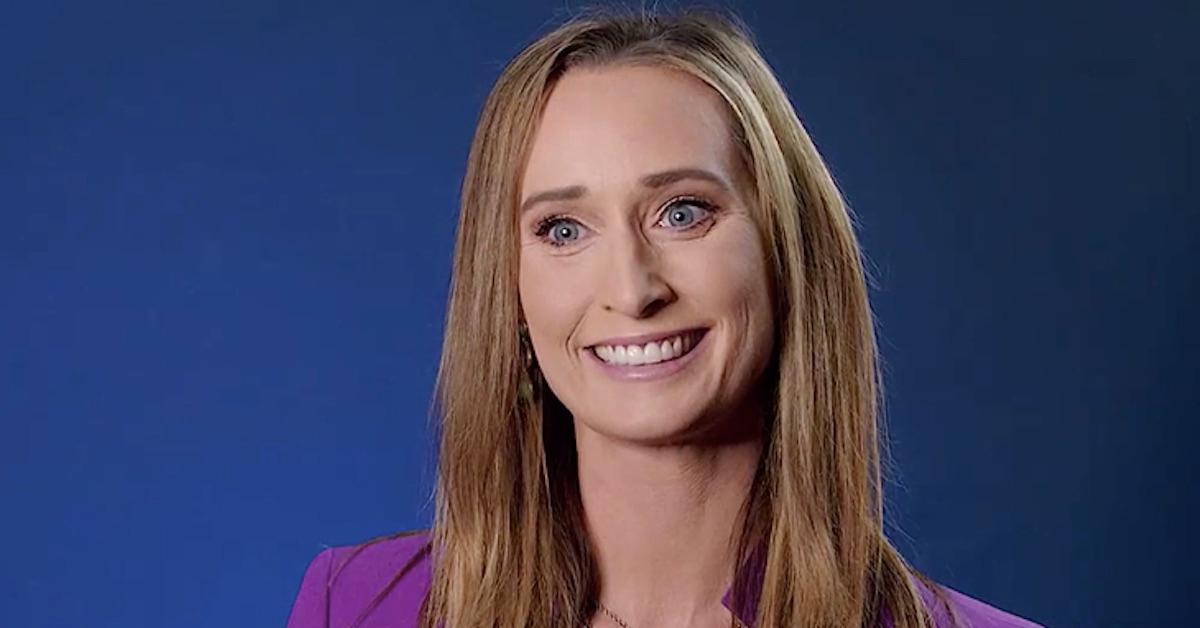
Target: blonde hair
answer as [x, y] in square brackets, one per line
[508, 543]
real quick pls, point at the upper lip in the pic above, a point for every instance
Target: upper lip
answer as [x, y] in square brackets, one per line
[641, 339]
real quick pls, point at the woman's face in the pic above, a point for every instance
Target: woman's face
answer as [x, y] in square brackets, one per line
[642, 277]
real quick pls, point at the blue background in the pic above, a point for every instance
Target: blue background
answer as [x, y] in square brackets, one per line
[225, 238]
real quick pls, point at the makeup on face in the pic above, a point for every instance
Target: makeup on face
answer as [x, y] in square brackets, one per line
[642, 275]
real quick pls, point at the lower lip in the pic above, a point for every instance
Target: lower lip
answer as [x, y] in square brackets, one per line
[648, 372]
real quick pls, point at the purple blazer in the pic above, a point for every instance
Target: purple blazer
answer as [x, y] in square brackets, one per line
[342, 583]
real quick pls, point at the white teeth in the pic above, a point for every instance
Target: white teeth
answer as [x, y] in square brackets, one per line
[649, 353]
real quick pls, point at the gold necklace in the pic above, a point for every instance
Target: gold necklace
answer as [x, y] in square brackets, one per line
[621, 622]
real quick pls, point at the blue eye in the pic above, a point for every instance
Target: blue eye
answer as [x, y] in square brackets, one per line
[559, 230]
[685, 213]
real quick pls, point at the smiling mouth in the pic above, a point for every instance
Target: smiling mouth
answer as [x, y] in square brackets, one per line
[664, 350]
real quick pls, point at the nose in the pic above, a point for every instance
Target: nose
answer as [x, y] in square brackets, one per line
[632, 282]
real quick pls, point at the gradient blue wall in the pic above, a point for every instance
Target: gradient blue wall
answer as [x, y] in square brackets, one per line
[225, 238]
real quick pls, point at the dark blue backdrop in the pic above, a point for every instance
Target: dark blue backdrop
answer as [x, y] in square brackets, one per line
[225, 237]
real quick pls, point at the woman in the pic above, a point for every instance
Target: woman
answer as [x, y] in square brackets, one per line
[659, 364]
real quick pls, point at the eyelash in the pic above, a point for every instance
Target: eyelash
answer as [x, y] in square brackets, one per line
[546, 224]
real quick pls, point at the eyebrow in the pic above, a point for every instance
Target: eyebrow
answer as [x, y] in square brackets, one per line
[655, 180]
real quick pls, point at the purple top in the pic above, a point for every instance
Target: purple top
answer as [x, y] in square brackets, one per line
[343, 582]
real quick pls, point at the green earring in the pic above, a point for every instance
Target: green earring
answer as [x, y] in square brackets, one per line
[525, 385]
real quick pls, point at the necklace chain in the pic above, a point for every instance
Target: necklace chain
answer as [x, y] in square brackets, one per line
[621, 622]
[613, 616]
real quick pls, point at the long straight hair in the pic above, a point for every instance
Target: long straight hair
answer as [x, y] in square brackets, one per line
[509, 546]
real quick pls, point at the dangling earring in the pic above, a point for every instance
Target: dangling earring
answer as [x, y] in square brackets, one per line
[525, 388]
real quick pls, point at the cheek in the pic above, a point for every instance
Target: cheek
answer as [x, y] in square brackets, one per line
[728, 274]
[745, 301]
[553, 293]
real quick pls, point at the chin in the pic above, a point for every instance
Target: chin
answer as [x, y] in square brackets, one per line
[645, 425]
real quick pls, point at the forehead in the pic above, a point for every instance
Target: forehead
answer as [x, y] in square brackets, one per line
[612, 125]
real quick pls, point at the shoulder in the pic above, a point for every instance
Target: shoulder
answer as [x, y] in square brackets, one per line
[387, 577]
[971, 612]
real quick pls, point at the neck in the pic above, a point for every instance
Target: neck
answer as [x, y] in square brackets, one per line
[663, 521]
